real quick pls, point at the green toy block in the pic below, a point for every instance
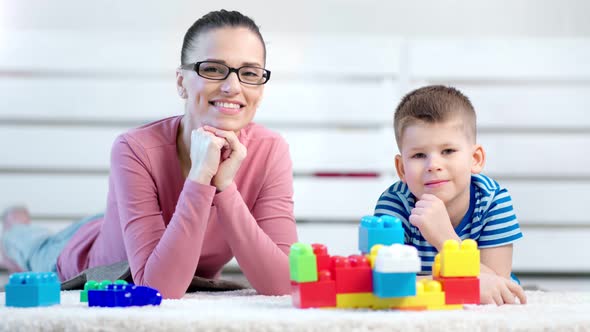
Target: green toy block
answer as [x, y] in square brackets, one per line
[303, 263]
[89, 285]
[103, 284]
[95, 285]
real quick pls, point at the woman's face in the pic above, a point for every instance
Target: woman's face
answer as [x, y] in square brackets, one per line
[228, 104]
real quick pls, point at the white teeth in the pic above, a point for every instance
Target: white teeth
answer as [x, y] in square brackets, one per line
[227, 105]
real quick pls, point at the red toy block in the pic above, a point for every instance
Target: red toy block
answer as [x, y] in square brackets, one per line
[321, 254]
[460, 290]
[319, 294]
[352, 274]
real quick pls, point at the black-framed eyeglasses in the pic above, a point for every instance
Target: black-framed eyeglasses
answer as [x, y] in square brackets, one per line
[218, 71]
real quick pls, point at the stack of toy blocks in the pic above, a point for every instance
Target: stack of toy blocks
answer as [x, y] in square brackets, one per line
[118, 294]
[32, 289]
[457, 268]
[312, 284]
[384, 277]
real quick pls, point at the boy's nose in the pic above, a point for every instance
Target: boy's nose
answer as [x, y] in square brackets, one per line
[433, 164]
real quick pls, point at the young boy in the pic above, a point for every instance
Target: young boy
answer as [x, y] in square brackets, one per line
[442, 194]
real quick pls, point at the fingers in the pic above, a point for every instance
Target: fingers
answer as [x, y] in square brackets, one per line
[233, 143]
[200, 133]
[229, 136]
[506, 294]
[517, 291]
[415, 220]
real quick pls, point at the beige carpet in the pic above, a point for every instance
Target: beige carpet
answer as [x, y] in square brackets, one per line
[245, 311]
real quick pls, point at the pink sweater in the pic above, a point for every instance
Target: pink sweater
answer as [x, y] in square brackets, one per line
[171, 229]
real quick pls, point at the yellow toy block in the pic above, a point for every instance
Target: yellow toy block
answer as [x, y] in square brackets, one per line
[436, 266]
[372, 256]
[429, 296]
[355, 300]
[459, 261]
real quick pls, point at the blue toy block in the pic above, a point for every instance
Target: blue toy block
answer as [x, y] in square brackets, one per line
[143, 295]
[394, 284]
[32, 289]
[384, 230]
[124, 296]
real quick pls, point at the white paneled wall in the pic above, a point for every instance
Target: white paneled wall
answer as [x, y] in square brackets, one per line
[332, 97]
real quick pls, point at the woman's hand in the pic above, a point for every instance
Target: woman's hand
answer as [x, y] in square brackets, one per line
[232, 156]
[205, 153]
[498, 290]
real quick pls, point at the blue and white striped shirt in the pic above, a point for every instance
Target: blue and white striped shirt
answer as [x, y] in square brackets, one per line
[490, 219]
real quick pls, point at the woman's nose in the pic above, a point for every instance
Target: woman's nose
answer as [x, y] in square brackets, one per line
[231, 84]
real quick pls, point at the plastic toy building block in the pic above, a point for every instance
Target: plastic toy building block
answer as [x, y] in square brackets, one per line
[385, 230]
[355, 300]
[352, 274]
[119, 295]
[429, 296]
[95, 285]
[436, 266]
[89, 285]
[397, 258]
[302, 263]
[395, 271]
[460, 290]
[32, 289]
[459, 261]
[373, 254]
[322, 256]
[394, 284]
[319, 294]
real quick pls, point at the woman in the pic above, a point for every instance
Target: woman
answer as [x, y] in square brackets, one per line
[188, 193]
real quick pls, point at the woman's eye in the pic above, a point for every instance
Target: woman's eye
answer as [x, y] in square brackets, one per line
[250, 73]
[211, 69]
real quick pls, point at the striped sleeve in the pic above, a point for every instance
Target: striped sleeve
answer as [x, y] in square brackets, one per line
[500, 224]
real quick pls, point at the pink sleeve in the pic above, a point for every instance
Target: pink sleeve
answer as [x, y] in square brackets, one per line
[158, 254]
[261, 241]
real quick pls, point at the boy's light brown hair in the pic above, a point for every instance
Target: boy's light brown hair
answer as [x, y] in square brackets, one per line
[434, 104]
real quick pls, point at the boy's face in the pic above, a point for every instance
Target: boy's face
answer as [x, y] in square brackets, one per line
[439, 159]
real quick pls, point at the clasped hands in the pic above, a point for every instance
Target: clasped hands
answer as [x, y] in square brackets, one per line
[216, 156]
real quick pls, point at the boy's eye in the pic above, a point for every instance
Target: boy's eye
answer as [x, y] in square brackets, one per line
[418, 155]
[448, 151]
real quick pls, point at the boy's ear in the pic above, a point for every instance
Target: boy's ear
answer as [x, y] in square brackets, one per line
[479, 159]
[399, 167]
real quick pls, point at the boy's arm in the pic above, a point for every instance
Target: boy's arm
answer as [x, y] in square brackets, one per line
[497, 260]
[496, 285]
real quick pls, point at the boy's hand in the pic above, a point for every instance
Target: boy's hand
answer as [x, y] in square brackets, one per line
[494, 289]
[431, 217]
